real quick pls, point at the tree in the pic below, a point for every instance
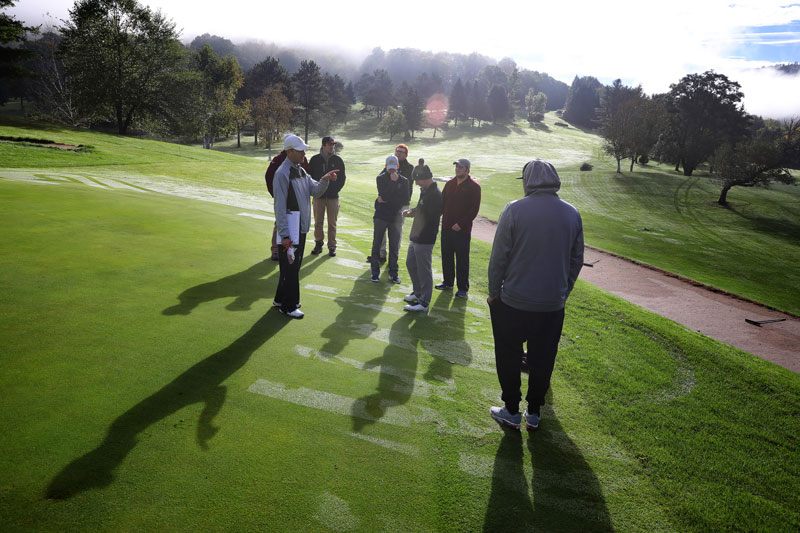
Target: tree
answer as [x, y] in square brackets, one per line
[219, 79]
[119, 57]
[393, 122]
[583, 100]
[338, 104]
[478, 104]
[258, 78]
[310, 91]
[535, 105]
[241, 115]
[413, 111]
[51, 88]
[272, 112]
[459, 105]
[499, 107]
[648, 123]
[705, 112]
[620, 108]
[12, 57]
[756, 162]
[376, 91]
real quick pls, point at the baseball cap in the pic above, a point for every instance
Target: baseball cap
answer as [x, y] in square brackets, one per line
[328, 140]
[392, 163]
[463, 162]
[294, 142]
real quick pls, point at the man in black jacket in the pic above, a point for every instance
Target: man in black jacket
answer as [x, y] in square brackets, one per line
[420, 249]
[392, 196]
[321, 164]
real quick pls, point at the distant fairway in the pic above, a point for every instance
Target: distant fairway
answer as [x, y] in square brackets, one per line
[149, 385]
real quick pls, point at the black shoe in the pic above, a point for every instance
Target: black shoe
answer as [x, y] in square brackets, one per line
[369, 259]
[443, 286]
[332, 253]
[317, 249]
[383, 260]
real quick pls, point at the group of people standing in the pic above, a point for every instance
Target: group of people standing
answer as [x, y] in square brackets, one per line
[456, 206]
[536, 256]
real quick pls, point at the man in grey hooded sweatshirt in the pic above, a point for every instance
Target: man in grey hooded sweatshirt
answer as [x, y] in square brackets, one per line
[537, 255]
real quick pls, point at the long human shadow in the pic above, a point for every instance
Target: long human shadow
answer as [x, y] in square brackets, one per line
[564, 493]
[359, 308]
[399, 356]
[202, 383]
[247, 286]
[441, 369]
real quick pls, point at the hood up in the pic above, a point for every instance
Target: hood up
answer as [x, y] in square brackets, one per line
[539, 176]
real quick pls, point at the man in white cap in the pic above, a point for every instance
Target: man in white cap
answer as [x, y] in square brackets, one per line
[537, 255]
[294, 188]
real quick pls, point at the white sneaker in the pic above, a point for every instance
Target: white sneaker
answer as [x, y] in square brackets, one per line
[412, 299]
[416, 307]
[294, 314]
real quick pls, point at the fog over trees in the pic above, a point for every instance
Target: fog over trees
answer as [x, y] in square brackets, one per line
[116, 64]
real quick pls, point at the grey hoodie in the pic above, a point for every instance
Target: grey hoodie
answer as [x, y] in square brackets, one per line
[537, 252]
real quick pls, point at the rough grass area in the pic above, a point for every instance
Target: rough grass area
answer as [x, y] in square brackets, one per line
[148, 384]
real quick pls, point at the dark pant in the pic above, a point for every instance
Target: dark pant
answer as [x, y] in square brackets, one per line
[380, 229]
[288, 291]
[542, 331]
[455, 258]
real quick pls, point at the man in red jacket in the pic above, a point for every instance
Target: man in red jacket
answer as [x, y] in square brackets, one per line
[461, 199]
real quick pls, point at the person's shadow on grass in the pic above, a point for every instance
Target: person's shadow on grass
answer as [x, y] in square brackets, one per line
[359, 308]
[247, 286]
[202, 383]
[459, 350]
[398, 365]
[565, 491]
[199, 384]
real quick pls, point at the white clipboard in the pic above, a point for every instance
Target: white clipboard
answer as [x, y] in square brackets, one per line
[293, 221]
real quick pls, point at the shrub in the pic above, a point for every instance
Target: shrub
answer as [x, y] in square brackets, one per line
[586, 166]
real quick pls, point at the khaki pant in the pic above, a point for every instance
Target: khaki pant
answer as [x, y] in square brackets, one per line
[321, 207]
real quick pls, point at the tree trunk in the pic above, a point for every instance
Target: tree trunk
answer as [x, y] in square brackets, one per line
[687, 171]
[238, 137]
[618, 166]
[677, 166]
[434, 133]
[633, 160]
[723, 196]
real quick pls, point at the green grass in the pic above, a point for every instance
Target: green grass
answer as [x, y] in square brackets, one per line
[131, 344]
[138, 332]
[652, 215]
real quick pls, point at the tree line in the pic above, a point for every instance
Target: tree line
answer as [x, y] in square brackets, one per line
[116, 63]
[700, 120]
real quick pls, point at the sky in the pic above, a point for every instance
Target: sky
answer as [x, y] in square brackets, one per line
[651, 43]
